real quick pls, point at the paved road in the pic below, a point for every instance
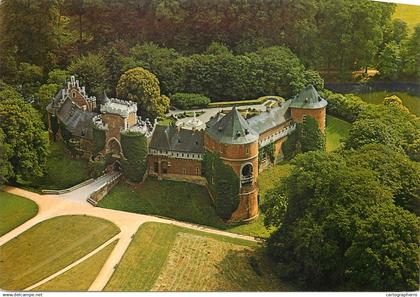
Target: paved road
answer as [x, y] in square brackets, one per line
[82, 194]
[54, 205]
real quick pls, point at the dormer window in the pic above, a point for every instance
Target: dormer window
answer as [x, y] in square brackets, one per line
[73, 94]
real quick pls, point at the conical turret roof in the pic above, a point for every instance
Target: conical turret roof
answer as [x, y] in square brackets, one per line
[308, 98]
[232, 129]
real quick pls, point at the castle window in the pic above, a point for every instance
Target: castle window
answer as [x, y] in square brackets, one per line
[73, 94]
[184, 171]
[196, 170]
[247, 150]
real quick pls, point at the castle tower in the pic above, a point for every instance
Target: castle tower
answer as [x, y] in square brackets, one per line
[237, 145]
[309, 103]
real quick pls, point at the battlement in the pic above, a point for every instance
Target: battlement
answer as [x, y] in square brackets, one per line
[119, 107]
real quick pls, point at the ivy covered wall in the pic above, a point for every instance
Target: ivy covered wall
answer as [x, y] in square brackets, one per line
[134, 146]
[223, 183]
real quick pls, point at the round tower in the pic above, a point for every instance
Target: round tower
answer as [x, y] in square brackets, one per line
[237, 145]
[309, 103]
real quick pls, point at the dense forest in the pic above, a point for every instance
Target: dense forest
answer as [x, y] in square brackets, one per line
[186, 42]
[341, 220]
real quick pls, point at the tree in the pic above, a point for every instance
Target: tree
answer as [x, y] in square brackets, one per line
[411, 54]
[394, 171]
[396, 102]
[387, 125]
[384, 253]
[58, 76]
[390, 61]
[92, 72]
[307, 137]
[8, 92]
[29, 78]
[5, 153]
[24, 134]
[45, 95]
[142, 86]
[326, 201]
[30, 27]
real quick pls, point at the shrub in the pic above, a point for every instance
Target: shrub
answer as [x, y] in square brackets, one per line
[96, 167]
[189, 100]
[347, 107]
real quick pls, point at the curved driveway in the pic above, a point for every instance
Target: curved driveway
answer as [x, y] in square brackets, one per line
[56, 205]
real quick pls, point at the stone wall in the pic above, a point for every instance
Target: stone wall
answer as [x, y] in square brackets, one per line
[99, 194]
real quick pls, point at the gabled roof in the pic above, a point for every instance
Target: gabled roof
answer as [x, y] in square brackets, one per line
[308, 98]
[77, 121]
[271, 118]
[232, 129]
[175, 139]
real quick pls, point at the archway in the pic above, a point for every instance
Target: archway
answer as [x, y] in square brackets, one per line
[117, 166]
[114, 147]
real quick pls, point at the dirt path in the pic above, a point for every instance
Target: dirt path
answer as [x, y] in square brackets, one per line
[53, 205]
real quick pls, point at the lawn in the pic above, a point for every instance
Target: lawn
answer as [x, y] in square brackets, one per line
[411, 102]
[71, 280]
[408, 13]
[336, 131]
[209, 262]
[187, 202]
[14, 211]
[62, 171]
[178, 200]
[49, 247]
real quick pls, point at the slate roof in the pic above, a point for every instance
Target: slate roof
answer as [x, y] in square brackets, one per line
[232, 129]
[180, 140]
[77, 121]
[308, 98]
[271, 118]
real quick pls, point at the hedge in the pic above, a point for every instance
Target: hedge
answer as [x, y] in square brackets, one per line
[134, 146]
[223, 183]
[189, 100]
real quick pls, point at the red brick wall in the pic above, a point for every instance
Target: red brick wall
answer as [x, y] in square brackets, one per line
[77, 98]
[231, 151]
[318, 114]
[237, 155]
[132, 119]
[177, 166]
[115, 123]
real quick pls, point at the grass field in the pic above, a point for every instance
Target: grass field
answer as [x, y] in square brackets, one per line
[336, 131]
[50, 246]
[179, 200]
[62, 171]
[164, 257]
[186, 202]
[408, 13]
[14, 211]
[80, 277]
[411, 102]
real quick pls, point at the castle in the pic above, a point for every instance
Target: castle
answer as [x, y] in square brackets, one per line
[174, 151]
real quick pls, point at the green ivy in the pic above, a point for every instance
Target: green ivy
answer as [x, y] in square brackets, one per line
[99, 139]
[134, 146]
[223, 183]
